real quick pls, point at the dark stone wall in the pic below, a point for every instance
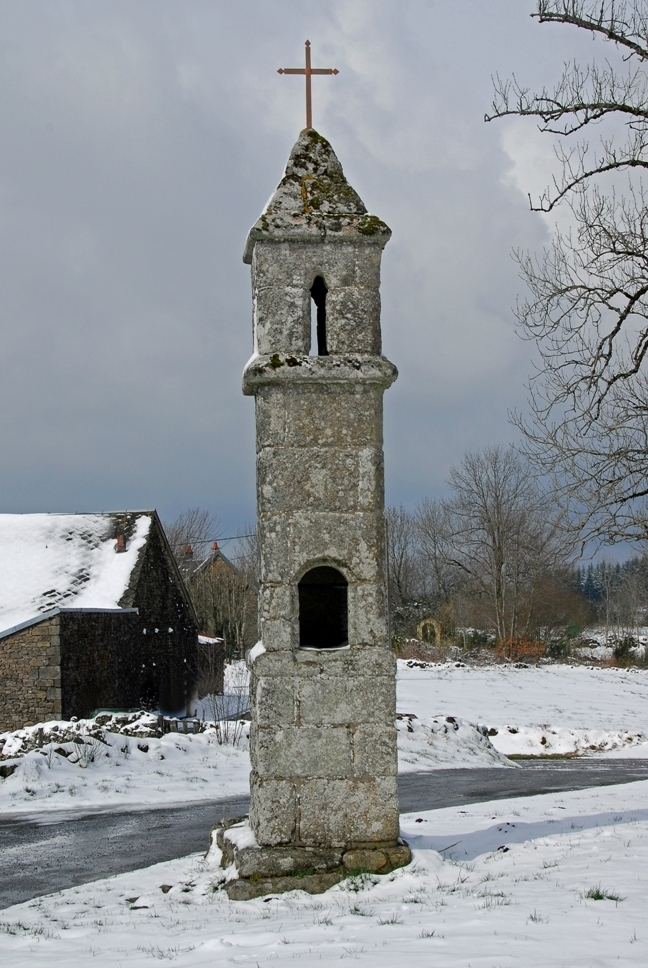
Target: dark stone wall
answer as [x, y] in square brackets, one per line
[99, 662]
[167, 633]
[126, 660]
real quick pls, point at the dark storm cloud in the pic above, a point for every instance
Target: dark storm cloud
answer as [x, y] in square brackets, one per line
[140, 140]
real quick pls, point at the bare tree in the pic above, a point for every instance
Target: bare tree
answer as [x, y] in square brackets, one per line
[192, 533]
[223, 592]
[505, 535]
[588, 308]
[400, 553]
[441, 580]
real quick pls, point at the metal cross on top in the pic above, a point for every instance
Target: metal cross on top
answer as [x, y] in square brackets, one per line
[308, 71]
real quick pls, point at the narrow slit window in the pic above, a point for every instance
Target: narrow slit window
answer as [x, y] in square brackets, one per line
[323, 609]
[318, 295]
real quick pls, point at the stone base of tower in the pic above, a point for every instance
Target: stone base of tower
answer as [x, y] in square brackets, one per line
[257, 871]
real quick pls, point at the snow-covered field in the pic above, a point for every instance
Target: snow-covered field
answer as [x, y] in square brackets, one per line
[450, 716]
[554, 880]
[537, 711]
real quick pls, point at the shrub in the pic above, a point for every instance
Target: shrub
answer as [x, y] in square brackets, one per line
[519, 648]
[623, 649]
[558, 649]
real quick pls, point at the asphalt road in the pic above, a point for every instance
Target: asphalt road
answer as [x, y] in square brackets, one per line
[44, 853]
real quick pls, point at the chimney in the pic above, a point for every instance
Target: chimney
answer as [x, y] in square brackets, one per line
[187, 551]
[214, 545]
[121, 544]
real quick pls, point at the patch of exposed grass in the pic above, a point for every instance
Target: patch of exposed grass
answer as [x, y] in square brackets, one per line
[599, 893]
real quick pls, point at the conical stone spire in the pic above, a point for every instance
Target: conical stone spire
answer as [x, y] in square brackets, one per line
[313, 199]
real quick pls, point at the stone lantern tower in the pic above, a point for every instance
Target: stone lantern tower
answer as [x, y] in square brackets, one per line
[324, 800]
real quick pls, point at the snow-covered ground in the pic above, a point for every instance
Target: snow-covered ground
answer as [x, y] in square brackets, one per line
[555, 880]
[121, 771]
[450, 716]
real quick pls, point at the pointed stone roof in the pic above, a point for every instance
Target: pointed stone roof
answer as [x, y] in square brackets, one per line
[314, 200]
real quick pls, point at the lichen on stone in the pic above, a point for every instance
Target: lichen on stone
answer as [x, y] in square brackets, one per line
[371, 225]
[314, 196]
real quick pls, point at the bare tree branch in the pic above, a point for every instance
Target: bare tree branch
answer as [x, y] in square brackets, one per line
[587, 310]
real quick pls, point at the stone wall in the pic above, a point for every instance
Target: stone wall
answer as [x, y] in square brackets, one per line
[323, 747]
[30, 676]
[166, 640]
[99, 662]
[282, 275]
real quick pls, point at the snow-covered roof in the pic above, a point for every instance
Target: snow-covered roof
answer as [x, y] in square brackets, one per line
[66, 560]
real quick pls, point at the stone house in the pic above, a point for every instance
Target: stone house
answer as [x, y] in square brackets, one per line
[93, 614]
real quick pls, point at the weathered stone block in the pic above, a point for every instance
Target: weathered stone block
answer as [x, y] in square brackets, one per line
[274, 701]
[282, 321]
[366, 264]
[399, 856]
[360, 660]
[287, 663]
[280, 634]
[347, 811]
[303, 751]
[281, 861]
[375, 750]
[367, 614]
[353, 418]
[278, 264]
[319, 479]
[353, 321]
[273, 810]
[271, 416]
[357, 661]
[291, 540]
[356, 539]
[296, 265]
[277, 602]
[346, 701]
[245, 890]
[364, 861]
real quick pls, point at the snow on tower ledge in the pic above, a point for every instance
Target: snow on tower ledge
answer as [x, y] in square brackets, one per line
[314, 199]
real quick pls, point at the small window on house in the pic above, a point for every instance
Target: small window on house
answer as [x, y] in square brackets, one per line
[323, 609]
[318, 317]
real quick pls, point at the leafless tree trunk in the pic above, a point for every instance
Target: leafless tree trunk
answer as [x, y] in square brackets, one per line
[400, 551]
[435, 551]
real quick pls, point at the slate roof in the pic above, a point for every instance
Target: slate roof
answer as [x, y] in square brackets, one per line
[50, 561]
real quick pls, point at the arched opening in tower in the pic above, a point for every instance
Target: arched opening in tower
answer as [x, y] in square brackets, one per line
[323, 609]
[318, 319]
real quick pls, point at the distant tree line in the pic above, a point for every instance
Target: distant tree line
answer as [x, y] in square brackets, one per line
[618, 591]
[496, 557]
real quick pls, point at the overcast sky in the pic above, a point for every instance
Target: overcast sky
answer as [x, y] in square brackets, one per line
[139, 141]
